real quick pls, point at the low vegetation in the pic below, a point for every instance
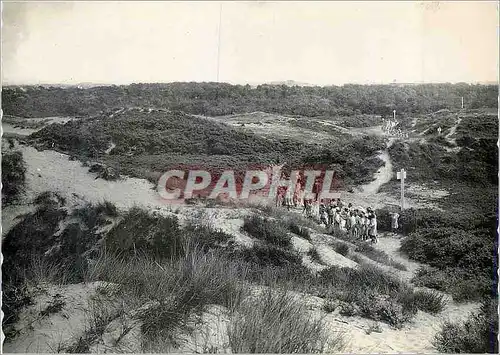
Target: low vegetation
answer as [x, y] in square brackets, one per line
[314, 255]
[13, 176]
[341, 248]
[278, 323]
[478, 334]
[371, 293]
[269, 230]
[148, 144]
[378, 256]
[362, 247]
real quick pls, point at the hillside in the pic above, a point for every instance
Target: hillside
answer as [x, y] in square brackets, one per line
[147, 143]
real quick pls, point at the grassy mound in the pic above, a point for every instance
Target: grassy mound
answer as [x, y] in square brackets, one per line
[13, 175]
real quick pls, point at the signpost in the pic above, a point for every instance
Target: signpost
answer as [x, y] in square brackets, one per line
[401, 175]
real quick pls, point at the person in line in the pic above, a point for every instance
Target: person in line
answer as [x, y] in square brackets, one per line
[394, 222]
[280, 198]
[337, 218]
[322, 211]
[354, 225]
[288, 200]
[373, 229]
[366, 229]
[330, 210]
[343, 220]
[304, 209]
[309, 209]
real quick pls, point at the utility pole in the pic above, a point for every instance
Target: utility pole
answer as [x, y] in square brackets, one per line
[401, 175]
[218, 42]
[462, 102]
[394, 114]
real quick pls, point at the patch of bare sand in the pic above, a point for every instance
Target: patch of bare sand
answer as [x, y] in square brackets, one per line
[210, 332]
[39, 334]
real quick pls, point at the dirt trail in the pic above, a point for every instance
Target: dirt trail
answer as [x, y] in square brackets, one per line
[453, 131]
[383, 176]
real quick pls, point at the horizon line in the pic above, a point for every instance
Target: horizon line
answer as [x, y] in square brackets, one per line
[271, 83]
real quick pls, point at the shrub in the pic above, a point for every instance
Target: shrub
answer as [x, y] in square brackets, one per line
[462, 284]
[26, 241]
[412, 220]
[206, 237]
[314, 255]
[50, 198]
[450, 247]
[268, 230]
[175, 288]
[478, 334]
[267, 254]
[427, 301]
[330, 305]
[95, 215]
[372, 293]
[277, 323]
[341, 248]
[140, 231]
[348, 309]
[299, 230]
[13, 176]
[31, 237]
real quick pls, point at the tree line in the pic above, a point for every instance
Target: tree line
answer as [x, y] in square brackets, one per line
[214, 99]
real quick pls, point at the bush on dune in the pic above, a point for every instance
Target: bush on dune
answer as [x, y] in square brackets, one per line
[478, 334]
[278, 323]
[266, 229]
[140, 231]
[375, 294]
[13, 175]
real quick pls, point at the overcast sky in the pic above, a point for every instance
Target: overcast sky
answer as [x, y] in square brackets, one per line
[313, 42]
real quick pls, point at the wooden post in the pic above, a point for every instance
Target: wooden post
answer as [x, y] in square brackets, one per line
[401, 175]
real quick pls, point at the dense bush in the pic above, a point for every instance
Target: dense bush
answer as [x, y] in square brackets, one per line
[462, 259]
[451, 247]
[13, 175]
[266, 229]
[463, 284]
[341, 248]
[301, 231]
[478, 334]
[140, 231]
[265, 254]
[411, 220]
[372, 293]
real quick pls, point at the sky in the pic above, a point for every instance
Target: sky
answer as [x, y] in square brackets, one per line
[321, 43]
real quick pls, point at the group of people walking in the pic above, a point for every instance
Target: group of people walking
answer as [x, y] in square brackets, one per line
[389, 128]
[357, 221]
